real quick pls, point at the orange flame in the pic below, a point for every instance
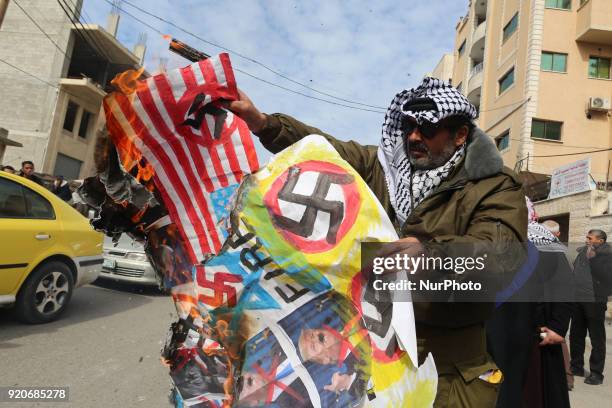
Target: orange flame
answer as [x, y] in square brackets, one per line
[127, 81]
[167, 37]
[144, 173]
[138, 216]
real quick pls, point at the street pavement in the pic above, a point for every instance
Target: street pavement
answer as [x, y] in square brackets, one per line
[600, 396]
[106, 349]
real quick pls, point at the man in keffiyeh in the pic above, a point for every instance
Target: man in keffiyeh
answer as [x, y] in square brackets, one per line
[441, 180]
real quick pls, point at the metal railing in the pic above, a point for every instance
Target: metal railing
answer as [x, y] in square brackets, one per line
[477, 69]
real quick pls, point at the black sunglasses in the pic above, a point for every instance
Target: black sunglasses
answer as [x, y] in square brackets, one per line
[427, 129]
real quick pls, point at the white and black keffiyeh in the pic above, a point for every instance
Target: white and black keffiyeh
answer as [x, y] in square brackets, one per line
[408, 187]
[538, 234]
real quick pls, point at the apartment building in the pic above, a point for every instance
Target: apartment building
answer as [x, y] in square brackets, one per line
[539, 72]
[52, 91]
[444, 69]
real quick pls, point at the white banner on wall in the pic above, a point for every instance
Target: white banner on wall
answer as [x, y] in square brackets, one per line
[571, 178]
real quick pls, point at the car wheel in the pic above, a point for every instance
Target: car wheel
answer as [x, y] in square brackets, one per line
[45, 294]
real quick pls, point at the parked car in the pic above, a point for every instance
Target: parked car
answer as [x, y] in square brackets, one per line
[127, 262]
[47, 249]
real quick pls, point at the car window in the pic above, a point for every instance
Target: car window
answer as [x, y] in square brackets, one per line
[37, 206]
[12, 201]
[17, 201]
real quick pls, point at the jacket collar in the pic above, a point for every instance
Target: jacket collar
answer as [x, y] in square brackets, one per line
[482, 158]
[603, 249]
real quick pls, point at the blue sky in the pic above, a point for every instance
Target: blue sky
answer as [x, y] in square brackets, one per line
[364, 51]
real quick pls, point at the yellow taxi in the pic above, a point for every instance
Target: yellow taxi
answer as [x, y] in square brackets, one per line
[46, 250]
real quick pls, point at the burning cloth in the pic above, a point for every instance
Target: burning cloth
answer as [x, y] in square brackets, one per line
[263, 264]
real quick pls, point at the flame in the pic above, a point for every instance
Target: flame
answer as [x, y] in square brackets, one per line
[144, 172]
[127, 81]
[167, 37]
[138, 216]
[228, 385]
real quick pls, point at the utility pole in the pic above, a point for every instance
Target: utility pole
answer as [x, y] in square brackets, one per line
[3, 7]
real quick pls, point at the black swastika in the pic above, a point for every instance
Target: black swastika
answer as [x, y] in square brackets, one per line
[378, 322]
[313, 203]
[197, 112]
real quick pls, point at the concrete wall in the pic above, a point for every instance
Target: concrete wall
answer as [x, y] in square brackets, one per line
[70, 143]
[461, 62]
[444, 69]
[27, 104]
[586, 211]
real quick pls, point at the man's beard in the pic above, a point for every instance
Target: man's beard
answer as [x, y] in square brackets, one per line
[430, 161]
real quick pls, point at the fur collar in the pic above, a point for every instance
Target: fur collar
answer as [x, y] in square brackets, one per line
[482, 158]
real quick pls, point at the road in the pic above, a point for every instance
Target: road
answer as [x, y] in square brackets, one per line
[106, 349]
[587, 396]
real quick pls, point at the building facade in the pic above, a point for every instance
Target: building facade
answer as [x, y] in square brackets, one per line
[444, 69]
[52, 94]
[539, 72]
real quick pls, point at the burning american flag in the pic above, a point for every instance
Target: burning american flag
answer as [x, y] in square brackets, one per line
[199, 151]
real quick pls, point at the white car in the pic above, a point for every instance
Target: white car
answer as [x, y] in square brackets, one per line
[127, 262]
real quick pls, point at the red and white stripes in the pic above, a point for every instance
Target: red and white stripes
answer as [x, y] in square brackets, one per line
[189, 162]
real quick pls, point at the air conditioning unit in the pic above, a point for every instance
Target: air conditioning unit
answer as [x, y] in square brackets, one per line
[597, 103]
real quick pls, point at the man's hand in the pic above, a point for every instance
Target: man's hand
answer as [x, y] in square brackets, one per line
[246, 110]
[403, 248]
[339, 382]
[551, 337]
[410, 246]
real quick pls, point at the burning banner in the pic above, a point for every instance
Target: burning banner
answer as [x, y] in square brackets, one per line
[263, 264]
[195, 147]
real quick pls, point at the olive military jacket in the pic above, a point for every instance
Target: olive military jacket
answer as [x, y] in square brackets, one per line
[481, 200]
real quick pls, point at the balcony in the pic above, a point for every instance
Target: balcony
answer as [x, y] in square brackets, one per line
[478, 42]
[97, 57]
[480, 7]
[83, 88]
[475, 84]
[594, 23]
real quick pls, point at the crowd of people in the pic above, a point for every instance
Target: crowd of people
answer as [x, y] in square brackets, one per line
[442, 180]
[58, 186]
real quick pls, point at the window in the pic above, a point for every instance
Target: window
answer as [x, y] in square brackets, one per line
[559, 4]
[70, 118]
[17, 201]
[12, 202]
[599, 67]
[510, 28]
[67, 166]
[84, 126]
[503, 141]
[461, 48]
[37, 206]
[555, 62]
[545, 129]
[506, 81]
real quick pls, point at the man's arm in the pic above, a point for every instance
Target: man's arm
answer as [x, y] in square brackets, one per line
[278, 131]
